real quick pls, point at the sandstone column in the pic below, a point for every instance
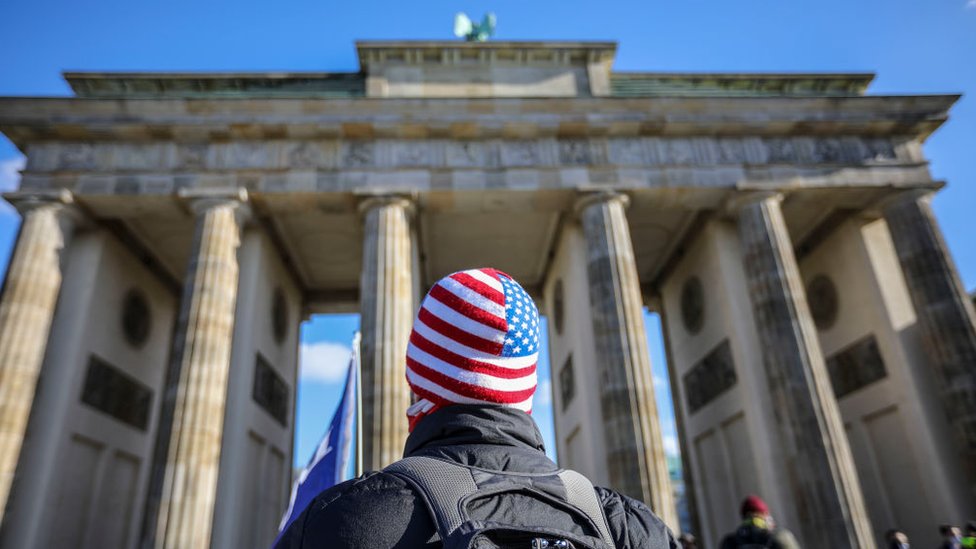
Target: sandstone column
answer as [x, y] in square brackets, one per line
[813, 447]
[387, 304]
[945, 317]
[26, 310]
[202, 349]
[634, 446]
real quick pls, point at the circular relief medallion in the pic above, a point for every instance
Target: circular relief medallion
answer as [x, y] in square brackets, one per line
[558, 306]
[279, 316]
[693, 305]
[822, 297]
[136, 317]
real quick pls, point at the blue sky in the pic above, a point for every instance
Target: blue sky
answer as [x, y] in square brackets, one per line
[914, 46]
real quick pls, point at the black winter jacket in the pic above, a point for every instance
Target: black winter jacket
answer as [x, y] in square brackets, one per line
[379, 510]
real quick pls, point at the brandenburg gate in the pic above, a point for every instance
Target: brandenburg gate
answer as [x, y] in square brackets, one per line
[178, 228]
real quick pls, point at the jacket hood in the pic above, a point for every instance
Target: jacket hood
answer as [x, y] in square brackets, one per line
[475, 424]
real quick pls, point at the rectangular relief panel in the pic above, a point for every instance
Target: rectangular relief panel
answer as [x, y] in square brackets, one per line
[270, 391]
[113, 515]
[710, 377]
[574, 450]
[899, 472]
[856, 366]
[716, 491]
[735, 433]
[113, 392]
[567, 383]
[71, 509]
[251, 528]
[272, 504]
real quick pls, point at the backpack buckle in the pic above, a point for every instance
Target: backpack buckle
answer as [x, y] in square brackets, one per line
[543, 543]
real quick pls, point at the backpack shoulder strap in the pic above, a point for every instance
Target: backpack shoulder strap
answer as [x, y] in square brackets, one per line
[441, 484]
[581, 494]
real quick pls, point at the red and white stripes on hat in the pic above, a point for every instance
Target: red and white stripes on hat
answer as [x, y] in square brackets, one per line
[474, 341]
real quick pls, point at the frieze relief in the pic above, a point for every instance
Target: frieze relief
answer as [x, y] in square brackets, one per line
[456, 154]
[574, 152]
[626, 152]
[358, 154]
[309, 154]
[77, 156]
[467, 154]
[413, 154]
[519, 153]
[193, 156]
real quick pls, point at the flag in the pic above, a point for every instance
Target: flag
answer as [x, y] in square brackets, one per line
[331, 459]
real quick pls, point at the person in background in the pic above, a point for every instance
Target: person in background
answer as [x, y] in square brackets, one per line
[969, 539]
[758, 529]
[687, 541]
[951, 537]
[896, 539]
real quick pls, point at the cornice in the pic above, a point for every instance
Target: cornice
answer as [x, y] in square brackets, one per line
[26, 120]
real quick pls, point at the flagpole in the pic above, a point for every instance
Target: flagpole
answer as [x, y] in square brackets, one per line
[359, 404]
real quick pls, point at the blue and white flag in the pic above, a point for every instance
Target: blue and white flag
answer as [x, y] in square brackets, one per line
[328, 466]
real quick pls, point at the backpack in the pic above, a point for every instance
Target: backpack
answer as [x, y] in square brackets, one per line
[474, 508]
[747, 537]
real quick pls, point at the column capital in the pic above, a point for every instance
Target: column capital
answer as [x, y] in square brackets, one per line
[200, 201]
[585, 199]
[368, 202]
[742, 199]
[25, 201]
[69, 215]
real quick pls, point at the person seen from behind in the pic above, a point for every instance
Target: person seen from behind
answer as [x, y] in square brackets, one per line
[474, 473]
[758, 529]
[951, 537]
[896, 539]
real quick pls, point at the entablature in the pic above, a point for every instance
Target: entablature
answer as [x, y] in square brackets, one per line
[25, 120]
[405, 155]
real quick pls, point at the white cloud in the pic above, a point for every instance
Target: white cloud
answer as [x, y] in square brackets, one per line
[671, 445]
[660, 382]
[543, 394]
[971, 4]
[9, 172]
[324, 361]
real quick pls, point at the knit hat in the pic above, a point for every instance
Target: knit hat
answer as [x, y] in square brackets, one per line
[475, 341]
[753, 505]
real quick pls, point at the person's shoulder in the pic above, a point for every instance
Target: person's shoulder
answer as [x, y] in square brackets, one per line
[784, 539]
[632, 523]
[377, 509]
[368, 485]
[728, 541]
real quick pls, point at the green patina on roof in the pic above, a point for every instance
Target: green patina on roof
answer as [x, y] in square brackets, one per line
[347, 85]
[736, 85]
[744, 85]
[192, 85]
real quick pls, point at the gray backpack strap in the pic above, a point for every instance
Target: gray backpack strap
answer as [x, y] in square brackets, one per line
[443, 486]
[581, 494]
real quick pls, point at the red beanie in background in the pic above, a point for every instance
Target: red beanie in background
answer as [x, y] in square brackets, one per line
[754, 505]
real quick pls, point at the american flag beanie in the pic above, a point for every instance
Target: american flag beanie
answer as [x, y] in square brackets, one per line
[475, 341]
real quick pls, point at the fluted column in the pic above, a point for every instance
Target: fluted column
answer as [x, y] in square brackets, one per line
[387, 306]
[26, 310]
[634, 445]
[813, 449]
[202, 351]
[945, 316]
